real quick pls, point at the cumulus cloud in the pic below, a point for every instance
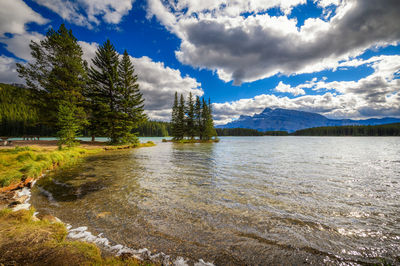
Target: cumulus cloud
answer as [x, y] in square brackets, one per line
[157, 82]
[89, 12]
[282, 87]
[89, 50]
[18, 44]
[219, 37]
[376, 95]
[15, 14]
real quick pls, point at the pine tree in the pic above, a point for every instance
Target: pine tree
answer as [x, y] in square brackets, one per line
[95, 109]
[190, 119]
[68, 125]
[57, 75]
[174, 118]
[207, 121]
[131, 103]
[105, 80]
[209, 126]
[181, 118]
[197, 116]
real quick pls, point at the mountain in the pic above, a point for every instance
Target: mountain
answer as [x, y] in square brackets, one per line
[291, 120]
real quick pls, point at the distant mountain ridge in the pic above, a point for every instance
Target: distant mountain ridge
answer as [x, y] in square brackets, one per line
[290, 120]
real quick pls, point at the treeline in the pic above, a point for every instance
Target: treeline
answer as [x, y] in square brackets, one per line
[66, 95]
[248, 132]
[238, 132]
[17, 115]
[378, 130]
[154, 129]
[192, 119]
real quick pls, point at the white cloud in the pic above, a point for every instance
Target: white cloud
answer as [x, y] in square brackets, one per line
[15, 14]
[157, 82]
[8, 72]
[282, 87]
[326, 3]
[89, 12]
[376, 95]
[217, 35]
[89, 50]
[18, 44]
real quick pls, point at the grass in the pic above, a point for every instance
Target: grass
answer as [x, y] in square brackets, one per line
[20, 163]
[24, 240]
[129, 146]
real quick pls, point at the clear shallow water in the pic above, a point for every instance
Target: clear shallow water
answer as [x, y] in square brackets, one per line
[244, 200]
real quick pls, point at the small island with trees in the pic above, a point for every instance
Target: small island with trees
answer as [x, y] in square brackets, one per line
[192, 122]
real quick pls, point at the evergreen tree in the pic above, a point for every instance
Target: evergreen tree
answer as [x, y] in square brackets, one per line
[131, 103]
[68, 124]
[210, 122]
[181, 119]
[207, 121]
[57, 75]
[174, 118]
[105, 80]
[95, 109]
[197, 117]
[190, 119]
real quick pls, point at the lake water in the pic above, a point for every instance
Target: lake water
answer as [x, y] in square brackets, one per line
[244, 200]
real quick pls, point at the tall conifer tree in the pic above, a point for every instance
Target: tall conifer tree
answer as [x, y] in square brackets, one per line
[209, 130]
[181, 118]
[58, 76]
[197, 115]
[105, 81]
[131, 103]
[174, 119]
[190, 119]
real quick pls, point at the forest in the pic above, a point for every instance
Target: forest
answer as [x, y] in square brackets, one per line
[378, 130]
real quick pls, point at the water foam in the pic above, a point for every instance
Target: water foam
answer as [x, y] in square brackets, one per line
[24, 205]
[82, 233]
[49, 196]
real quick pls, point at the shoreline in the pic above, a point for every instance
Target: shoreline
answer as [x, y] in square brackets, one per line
[36, 157]
[102, 251]
[19, 222]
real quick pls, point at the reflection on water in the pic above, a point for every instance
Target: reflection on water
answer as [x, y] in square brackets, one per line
[250, 200]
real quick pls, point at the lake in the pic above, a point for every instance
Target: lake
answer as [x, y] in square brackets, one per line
[244, 200]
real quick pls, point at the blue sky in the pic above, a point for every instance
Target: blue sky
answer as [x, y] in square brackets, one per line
[340, 58]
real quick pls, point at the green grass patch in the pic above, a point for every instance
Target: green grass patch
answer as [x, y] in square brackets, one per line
[19, 163]
[130, 146]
